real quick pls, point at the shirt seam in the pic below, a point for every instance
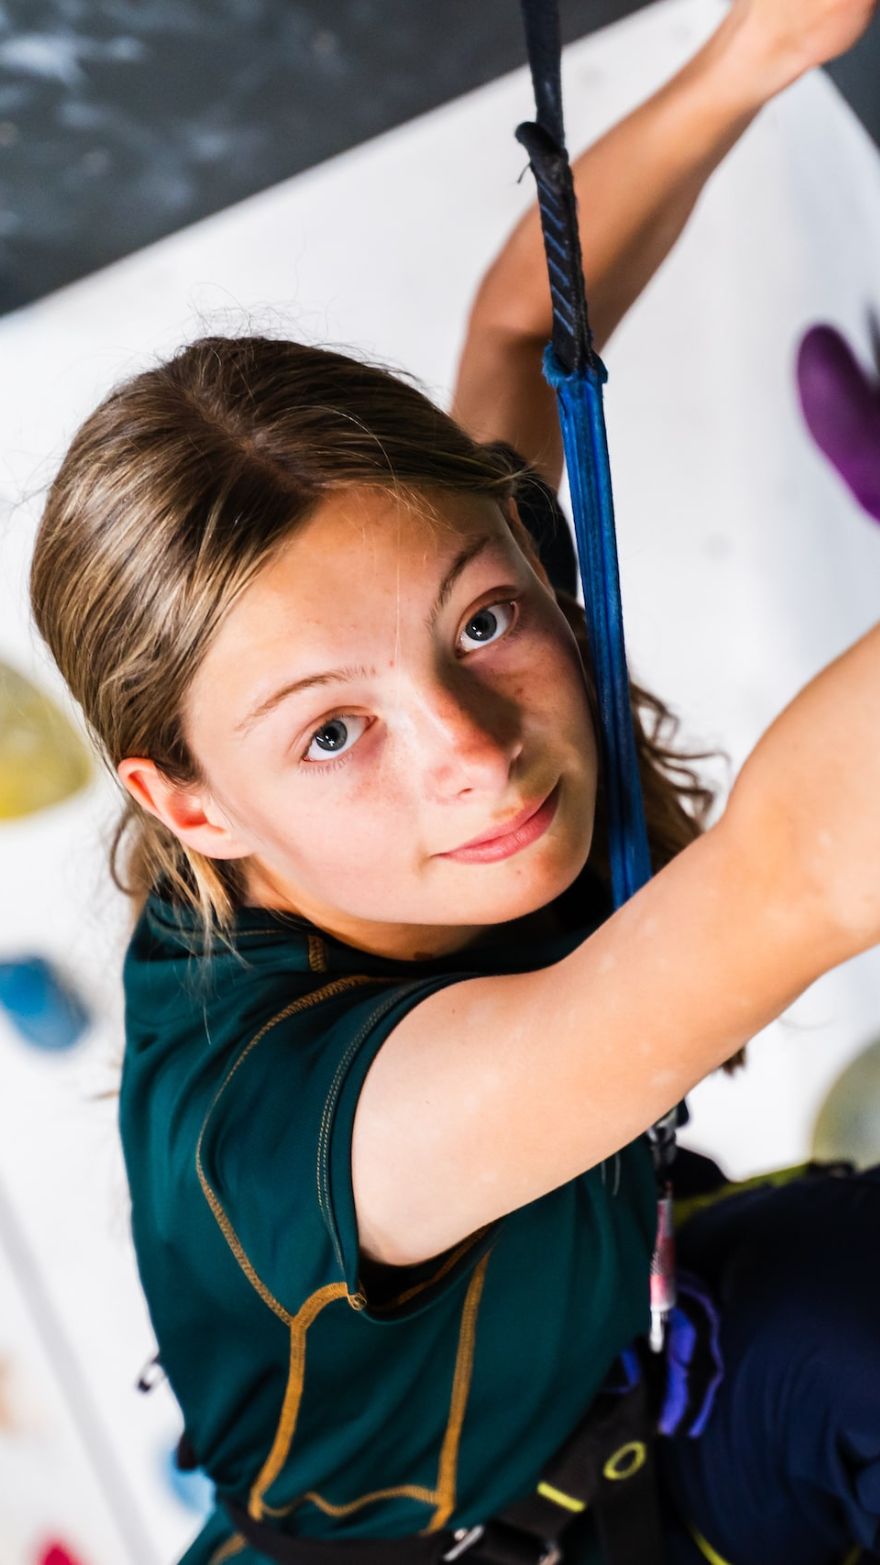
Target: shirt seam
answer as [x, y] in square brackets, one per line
[216, 1206]
[321, 1170]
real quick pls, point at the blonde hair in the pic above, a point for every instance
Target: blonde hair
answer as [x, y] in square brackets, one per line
[171, 498]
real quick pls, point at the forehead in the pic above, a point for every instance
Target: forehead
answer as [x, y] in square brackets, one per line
[425, 518]
[336, 577]
[363, 541]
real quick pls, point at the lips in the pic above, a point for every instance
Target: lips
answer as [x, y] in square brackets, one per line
[509, 826]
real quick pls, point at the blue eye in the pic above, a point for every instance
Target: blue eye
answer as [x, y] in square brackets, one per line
[489, 619]
[332, 736]
[331, 739]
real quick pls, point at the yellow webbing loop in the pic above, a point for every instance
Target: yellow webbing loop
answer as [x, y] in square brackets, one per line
[706, 1548]
[625, 1462]
[690, 1205]
[567, 1501]
[715, 1558]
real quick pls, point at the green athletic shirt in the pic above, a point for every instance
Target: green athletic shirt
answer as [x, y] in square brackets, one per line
[334, 1398]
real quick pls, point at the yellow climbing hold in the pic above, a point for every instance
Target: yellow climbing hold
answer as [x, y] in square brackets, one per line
[847, 1127]
[42, 758]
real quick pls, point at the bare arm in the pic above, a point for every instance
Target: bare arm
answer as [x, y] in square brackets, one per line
[636, 188]
[499, 1089]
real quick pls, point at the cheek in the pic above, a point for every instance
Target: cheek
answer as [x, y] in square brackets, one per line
[347, 821]
[555, 688]
[553, 670]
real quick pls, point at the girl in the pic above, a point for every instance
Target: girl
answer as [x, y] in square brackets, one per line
[389, 1055]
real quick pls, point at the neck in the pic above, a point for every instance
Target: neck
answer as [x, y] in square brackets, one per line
[398, 942]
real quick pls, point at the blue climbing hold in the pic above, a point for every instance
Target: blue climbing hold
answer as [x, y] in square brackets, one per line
[192, 1488]
[41, 1003]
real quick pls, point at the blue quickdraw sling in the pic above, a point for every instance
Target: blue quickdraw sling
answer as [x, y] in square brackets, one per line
[575, 371]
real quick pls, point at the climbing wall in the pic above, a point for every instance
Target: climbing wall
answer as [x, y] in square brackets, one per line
[745, 566]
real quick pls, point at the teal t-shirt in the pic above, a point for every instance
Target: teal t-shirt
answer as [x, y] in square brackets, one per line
[334, 1399]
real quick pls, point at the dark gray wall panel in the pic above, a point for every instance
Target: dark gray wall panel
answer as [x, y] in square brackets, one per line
[124, 120]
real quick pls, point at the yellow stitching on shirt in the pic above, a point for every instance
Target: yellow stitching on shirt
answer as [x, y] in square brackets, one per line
[317, 954]
[235, 1246]
[405, 1491]
[385, 1005]
[428, 1282]
[443, 1497]
[461, 1382]
[299, 1325]
[232, 1546]
[226, 1228]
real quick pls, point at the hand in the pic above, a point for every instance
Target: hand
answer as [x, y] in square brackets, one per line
[796, 35]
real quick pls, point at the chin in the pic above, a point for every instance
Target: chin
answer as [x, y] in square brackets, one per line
[521, 901]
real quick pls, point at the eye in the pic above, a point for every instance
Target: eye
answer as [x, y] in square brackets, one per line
[488, 619]
[332, 737]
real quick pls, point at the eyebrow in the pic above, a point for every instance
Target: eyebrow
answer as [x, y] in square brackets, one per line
[359, 671]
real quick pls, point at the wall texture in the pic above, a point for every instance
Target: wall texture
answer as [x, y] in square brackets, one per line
[122, 121]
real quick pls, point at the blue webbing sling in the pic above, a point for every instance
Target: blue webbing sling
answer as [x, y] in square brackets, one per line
[574, 369]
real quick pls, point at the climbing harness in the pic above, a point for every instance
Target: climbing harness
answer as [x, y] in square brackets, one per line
[574, 369]
[606, 1464]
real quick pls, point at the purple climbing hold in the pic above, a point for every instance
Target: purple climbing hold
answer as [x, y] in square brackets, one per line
[841, 405]
[41, 1004]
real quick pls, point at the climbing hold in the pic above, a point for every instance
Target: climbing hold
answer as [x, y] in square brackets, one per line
[56, 1554]
[841, 405]
[41, 1003]
[191, 1488]
[42, 758]
[848, 1123]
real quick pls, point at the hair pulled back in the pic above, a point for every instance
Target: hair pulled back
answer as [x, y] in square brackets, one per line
[171, 498]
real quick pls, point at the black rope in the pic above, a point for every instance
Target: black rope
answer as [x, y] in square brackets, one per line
[544, 142]
[544, 45]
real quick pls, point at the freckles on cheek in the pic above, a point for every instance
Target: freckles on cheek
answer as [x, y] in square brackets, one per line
[374, 810]
[384, 820]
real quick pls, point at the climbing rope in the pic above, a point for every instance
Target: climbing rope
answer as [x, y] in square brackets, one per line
[574, 369]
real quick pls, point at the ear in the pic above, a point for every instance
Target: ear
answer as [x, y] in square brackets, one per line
[525, 541]
[190, 813]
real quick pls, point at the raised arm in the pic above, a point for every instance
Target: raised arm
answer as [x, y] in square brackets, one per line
[496, 1090]
[636, 189]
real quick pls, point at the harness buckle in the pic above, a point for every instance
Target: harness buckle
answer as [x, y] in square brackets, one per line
[466, 1537]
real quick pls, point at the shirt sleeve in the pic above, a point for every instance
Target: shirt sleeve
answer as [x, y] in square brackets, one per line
[276, 1147]
[420, 1285]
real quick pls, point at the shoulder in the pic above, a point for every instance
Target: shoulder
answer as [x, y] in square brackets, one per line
[239, 1092]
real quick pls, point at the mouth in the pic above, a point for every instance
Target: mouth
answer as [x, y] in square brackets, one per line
[523, 828]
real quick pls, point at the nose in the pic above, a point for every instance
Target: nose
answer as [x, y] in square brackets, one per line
[468, 737]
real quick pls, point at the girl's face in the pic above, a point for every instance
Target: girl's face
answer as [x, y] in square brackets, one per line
[441, 692]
